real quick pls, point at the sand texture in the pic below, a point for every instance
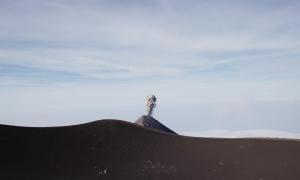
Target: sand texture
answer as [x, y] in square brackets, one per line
[113, 149]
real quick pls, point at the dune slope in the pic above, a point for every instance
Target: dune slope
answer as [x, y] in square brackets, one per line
[112, 149]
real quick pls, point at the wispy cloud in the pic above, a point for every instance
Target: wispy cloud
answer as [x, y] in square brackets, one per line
[185, 51]
[113, 40]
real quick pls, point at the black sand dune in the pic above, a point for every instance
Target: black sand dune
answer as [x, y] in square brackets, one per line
[112, 149]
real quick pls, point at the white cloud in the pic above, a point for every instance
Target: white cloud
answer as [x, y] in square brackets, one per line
[111, 41]
[261, 133]
[210, 26]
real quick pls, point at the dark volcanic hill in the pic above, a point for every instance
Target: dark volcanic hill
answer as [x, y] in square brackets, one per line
[150, 122]
[112, 149]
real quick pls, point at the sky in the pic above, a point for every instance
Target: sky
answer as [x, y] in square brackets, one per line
[217, 67]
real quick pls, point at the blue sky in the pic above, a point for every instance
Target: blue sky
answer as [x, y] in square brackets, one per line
[218, 66]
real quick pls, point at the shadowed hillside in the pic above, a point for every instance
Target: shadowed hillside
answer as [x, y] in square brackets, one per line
[112, 149]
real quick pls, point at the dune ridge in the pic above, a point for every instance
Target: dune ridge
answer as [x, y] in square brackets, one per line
[115, 149]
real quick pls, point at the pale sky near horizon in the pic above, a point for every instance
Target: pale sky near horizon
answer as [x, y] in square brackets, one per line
[214, 65]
